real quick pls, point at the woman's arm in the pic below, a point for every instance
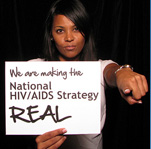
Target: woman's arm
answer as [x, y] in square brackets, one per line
[132, 86]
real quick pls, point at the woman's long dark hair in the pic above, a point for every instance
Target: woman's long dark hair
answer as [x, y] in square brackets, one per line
[75, 11]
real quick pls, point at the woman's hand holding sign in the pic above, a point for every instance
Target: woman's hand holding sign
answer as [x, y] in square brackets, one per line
[52, 139]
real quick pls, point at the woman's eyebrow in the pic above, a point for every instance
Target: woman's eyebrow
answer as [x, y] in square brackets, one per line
[59, 26]
[64, 27]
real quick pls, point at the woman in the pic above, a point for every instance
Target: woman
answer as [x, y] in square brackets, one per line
[68, 37]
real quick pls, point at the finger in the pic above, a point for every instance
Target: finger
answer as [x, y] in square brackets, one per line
[132, 101]
[138, 86]
[145, 84]
[139, 79]
[134, 86]
[50, 134]
[53, 142]
[58, 143]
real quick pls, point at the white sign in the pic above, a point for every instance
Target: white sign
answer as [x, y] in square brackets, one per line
[44, 96]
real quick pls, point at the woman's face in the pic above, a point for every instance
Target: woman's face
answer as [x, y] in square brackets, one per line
[68, 39]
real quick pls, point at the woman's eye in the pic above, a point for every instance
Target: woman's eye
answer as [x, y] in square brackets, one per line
[76, 29]
[59, 30]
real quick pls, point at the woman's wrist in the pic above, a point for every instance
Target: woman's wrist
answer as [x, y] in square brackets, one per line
[112, 71]
[123, 67]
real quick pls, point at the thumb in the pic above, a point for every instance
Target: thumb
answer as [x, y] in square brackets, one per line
[127, 91]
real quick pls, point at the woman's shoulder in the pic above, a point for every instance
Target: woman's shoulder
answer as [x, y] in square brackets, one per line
[37, 60]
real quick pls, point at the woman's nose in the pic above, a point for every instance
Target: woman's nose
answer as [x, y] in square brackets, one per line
[69, 37]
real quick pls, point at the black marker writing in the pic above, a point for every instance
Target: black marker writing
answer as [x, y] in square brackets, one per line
[17, 113]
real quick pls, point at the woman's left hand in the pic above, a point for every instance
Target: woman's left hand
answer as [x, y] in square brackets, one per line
[132, 86]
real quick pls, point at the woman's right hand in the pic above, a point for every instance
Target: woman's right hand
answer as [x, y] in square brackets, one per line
[51, 140]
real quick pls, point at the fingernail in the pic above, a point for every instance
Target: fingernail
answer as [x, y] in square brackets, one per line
[64, 130]
[139, 102]
[126, 91]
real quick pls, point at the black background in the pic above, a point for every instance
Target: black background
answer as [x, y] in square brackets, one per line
[122, 34]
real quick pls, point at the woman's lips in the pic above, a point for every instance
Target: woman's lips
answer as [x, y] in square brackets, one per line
[70, 48]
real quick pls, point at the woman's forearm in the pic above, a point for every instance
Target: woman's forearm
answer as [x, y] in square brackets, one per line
[109, 74]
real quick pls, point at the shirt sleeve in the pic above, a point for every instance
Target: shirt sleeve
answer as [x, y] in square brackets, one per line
[36, 60]
[104, 63]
